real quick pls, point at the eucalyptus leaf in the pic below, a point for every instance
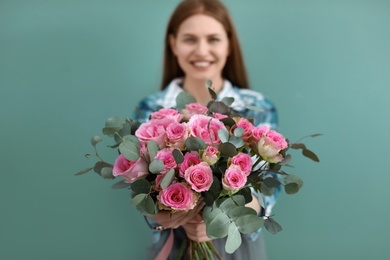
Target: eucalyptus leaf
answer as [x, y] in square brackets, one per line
[95, 139]
[238, 132]
[140, 186]
[219, 226]
[208, 83]
[106, 173]
[115, 121]
[195, 144]
[286, 160]
[291, 188]
[272, 226]
[148, 207]
[126, 130]
[84, 171]
[182, 99]
[228, 121]
[234, 240]
[298, 146]
[209, 213]
[156, 166]
[271, 182]
[310, 154]
[249, 223]
[240, 211]
[111, 131]
[227, 100]
[129, 150]
[178, 156]
[121, 185]
[219, 107]
[223, 135]
[236, 141]
[100, 165]
[167, 179]
[267, 191]
[131, 138]
[139, 199]
[227, 149]
[292, 183]
[153, 148]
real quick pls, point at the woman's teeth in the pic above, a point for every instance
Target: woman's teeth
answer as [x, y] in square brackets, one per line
[201, 63]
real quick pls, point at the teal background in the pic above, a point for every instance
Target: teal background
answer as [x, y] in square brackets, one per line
[66, 66]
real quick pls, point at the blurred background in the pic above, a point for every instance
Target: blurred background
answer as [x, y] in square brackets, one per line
[66, 66]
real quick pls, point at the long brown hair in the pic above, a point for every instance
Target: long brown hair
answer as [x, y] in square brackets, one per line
[234, 69]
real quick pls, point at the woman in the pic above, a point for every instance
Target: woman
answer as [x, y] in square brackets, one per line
[201, 44]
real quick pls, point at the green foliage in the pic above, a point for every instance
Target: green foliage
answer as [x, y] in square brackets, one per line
[272, 226]
[130, 150]
[113, 125]
[292, 183]
[195, 144]
[95, 139]
[156, 166]
[153, 148]
[179, 158]
[120, 185]
[183, 99]
[140, 186]
[229, 217]
[227, 149]
[167, 179]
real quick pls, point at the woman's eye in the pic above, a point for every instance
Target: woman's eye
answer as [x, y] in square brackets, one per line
[189, 40]
[213, 40]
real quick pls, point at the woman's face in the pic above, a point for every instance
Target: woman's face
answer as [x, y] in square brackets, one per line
[201, 47]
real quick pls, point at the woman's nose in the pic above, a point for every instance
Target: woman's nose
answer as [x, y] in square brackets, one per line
[202, 48]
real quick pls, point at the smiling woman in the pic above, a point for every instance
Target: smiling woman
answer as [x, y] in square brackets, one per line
[201, 44]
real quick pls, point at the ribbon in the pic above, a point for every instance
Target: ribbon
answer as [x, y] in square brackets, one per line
[166, 249]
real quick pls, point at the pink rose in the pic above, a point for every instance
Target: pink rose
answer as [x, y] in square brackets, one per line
[177, 135]
[194, 109]
[258, 132]
[177, 196]
[167, 113]
[191, 158]
[210, 155]
[234, 179]
[270, 145]
[244, 161]
[206, 128]
[199, 176]
[154, 130]
[129, 170]
[219, 116]
[247, 126]
[165, 155]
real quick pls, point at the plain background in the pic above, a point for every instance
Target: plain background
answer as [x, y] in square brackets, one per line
[66, 66]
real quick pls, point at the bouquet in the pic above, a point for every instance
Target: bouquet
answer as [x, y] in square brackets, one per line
[192, 153]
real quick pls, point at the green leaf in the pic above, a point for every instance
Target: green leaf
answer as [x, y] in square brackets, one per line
[209, 213]
[286, 160]
[227, 100]
[292, 183]
[195, 144]
[179, 158]
[121, 185]
[249, 223]
[310, 154]
[271, 182]
[131, 138]
[140, 186]
[228, 121]
[148, 207]
[100, 165]
[153, 148]
[95, 139]
[139, 199]
[233, 241]
[218, 107]
[236, 141]
[297, 146]
[267, 191]
[167, 179]
[84, 171]
[238, 132]
[126, 130]
[182, 99]
[223, 135]
[272, 226]
[113, 125]
[129, 150]
[106, 173]
[156, 166]
[218, 227]
[240, 211]
[111, 131]
[227, 149]
[291, 188]
[208, 83]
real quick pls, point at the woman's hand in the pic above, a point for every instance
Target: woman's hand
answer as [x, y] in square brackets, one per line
[177, 219]
[196, 229]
